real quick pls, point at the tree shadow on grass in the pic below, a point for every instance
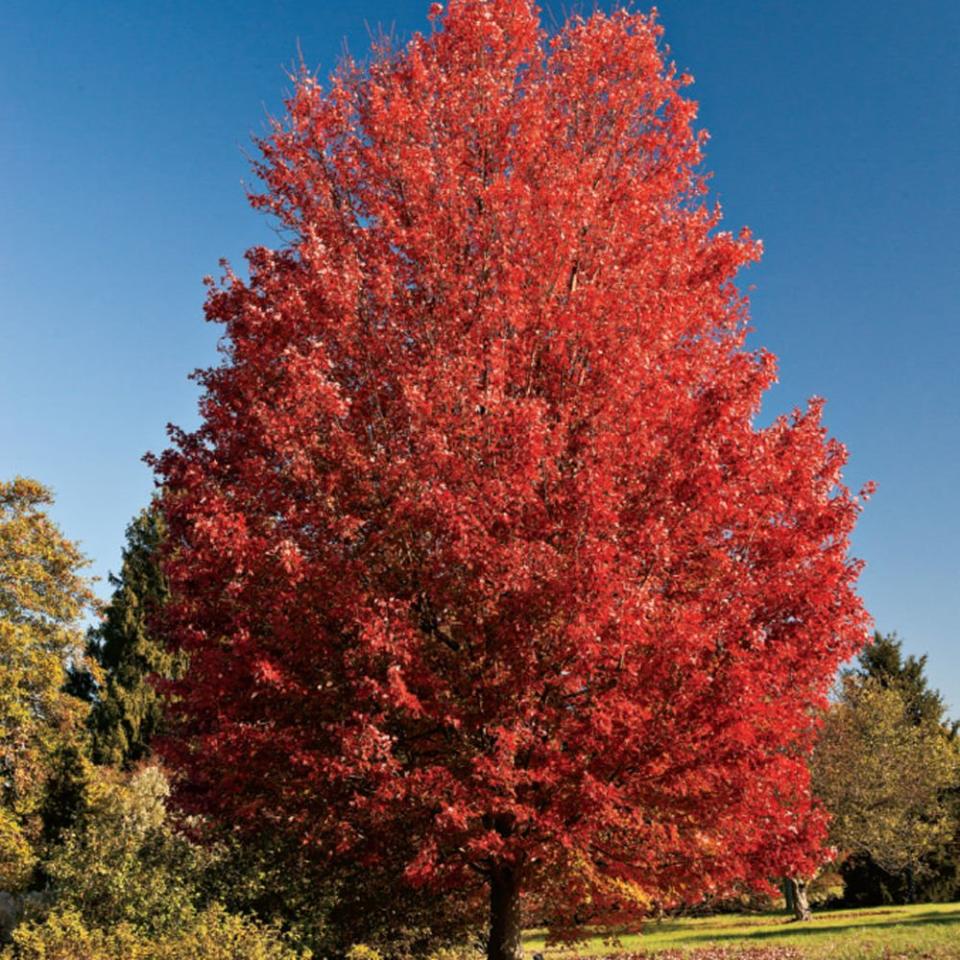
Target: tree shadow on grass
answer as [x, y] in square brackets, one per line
[834, 928]
[831, 925]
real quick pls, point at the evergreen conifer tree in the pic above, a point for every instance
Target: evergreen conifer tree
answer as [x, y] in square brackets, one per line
[883, 661]
[126, 712]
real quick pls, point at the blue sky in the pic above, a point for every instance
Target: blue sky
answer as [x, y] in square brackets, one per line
[124, 131]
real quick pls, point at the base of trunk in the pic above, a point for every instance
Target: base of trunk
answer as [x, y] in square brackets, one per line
[796, 896]
[506, 928]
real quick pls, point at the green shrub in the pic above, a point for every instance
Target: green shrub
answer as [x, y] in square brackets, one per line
[274, 881]
[17, 858]
[461, 952]
[360, 951]
[213, 934]
[333, 907]
[218, 935]
[65, 936]
[123, 863]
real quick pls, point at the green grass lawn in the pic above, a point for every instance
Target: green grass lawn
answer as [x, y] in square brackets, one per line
[920, 931]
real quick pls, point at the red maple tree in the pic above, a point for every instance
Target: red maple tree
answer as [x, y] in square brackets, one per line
[478, 543]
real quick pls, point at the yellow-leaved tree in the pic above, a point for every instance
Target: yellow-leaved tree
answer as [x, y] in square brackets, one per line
[884, 777]
[43, 598]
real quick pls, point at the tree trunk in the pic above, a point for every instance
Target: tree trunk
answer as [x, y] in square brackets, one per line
[798, 898]
[788, 895]
[911, 886]
[505, 925]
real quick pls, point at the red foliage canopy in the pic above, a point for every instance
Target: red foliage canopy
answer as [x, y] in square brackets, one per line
[478, 543]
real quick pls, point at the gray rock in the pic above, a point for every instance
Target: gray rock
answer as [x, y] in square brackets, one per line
[11, 910]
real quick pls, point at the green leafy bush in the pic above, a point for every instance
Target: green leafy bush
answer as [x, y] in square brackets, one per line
[218, 935]
[213, 934]
[360, 951]
[17, 858]
[123, 863]
[65, 936]
[333, 907]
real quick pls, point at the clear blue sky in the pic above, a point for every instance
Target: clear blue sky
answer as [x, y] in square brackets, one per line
[835, 135]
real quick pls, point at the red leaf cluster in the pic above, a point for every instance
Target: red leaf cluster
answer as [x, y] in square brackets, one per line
[478, 544]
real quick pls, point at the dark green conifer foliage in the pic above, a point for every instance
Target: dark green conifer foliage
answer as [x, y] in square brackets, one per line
[66, 792]
[127, 710]
[883, 660]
